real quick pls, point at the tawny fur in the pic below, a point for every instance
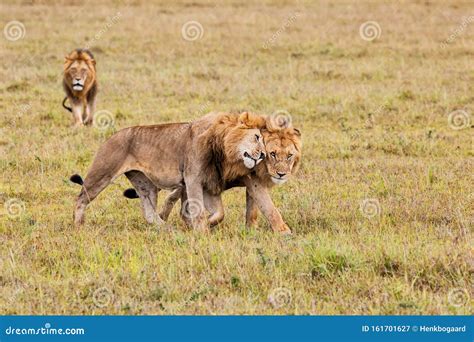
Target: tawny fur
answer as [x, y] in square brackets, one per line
[80, 71]
[285, 143]
[197, 156]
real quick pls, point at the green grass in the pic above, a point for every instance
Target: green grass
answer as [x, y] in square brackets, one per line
[374, 118]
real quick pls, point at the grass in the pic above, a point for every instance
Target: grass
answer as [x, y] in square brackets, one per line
[382, 208]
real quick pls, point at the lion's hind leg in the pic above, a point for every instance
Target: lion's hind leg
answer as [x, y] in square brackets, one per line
[93, 185]
[170, 201]
[148, 193]
[213, 204]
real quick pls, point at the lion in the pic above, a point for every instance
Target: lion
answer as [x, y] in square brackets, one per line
[198, 156]
[283, 149]
[80, 85]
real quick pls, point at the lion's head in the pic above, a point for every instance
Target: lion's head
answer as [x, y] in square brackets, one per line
[232, 147]
[241, 139]
[79, 70]
[283, 149]
[244, 140]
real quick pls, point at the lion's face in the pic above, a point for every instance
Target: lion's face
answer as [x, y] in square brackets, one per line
[251, 148]
[283, 150]
[77, 74]
[79, 69]
[244, 142]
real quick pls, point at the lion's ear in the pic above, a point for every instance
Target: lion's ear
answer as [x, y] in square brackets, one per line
[244, 118]
[93, 62]
[265, 134]
[297, 132]
[269, 123]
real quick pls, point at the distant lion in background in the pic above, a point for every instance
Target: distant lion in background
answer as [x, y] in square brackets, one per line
[80, 85]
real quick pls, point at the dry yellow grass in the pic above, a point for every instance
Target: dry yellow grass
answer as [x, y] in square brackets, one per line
[374, 116]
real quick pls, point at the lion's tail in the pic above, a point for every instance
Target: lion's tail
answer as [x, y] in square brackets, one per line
[131, 193]
[64, 105]
[75, 178]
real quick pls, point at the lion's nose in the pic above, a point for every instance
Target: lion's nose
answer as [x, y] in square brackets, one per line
[281, 174]
[77, 79]
[262, 156]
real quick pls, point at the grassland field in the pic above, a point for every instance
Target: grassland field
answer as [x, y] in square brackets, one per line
[382, 210]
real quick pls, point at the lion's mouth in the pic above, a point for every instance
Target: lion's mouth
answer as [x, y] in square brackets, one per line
[250, 162]
[278, 180]
[77, 84]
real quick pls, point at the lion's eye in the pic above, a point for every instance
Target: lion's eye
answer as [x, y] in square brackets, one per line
[257, 137]
[73, 70]
[290, 156]
[273, 154]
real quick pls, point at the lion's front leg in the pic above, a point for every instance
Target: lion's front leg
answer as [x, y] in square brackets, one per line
[261, 196]
[77, 112]
[193, 208]
[251, 213]
[89, 114]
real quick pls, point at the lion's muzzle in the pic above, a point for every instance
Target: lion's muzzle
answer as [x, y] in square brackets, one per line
[78, 84]
[250, 162]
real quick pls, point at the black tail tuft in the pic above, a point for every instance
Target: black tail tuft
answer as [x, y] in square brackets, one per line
[64, 105]
[76, 179]
[131, 193]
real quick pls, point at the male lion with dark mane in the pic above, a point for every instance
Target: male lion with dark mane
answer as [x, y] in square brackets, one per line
[80, 85]
[283, 149]
[199, 156]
